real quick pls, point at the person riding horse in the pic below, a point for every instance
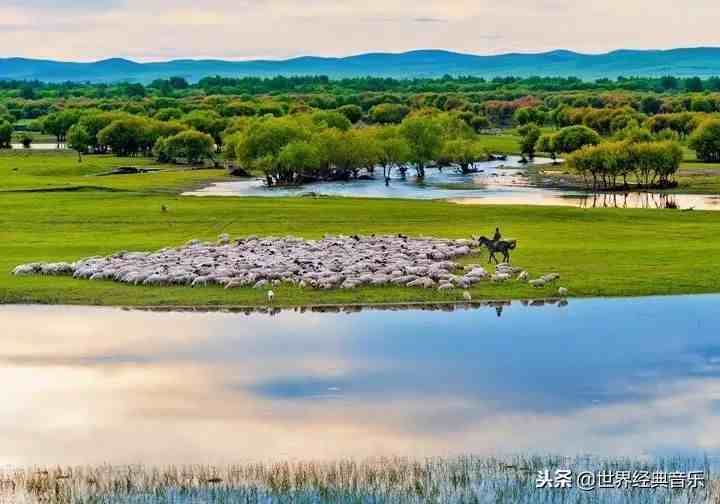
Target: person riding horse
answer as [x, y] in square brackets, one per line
[497, 244]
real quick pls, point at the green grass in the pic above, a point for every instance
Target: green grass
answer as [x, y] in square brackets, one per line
[57, 210]
[506, 143]
[52, 170]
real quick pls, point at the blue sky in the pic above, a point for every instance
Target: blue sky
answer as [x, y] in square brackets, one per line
[147, 30]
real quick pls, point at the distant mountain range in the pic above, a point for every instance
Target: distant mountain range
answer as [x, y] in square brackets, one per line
[701, 61]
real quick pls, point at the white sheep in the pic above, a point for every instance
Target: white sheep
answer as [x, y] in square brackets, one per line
[551, 277]
[270, 296]
[562, 291]
[500, 277]
[523, 277]
[467, 296]
[537, 283]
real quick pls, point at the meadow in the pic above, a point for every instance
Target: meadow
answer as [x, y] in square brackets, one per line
[53, 208]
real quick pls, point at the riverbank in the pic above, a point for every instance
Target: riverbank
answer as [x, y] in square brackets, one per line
[53, 208]
[693, 177]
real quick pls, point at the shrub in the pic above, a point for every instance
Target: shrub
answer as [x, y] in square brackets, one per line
[192, 146]
[388, 113]
[573, 138]
[705, 140]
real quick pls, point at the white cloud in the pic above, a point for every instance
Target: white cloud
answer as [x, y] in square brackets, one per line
[161, 29]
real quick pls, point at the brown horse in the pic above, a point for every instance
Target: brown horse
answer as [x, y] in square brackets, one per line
[502, 246]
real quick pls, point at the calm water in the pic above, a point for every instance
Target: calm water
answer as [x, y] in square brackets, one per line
[496, 182]
[611, 377]
[39, 146]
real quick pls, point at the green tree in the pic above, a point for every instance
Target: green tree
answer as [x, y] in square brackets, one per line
[462, 152]
[79, 140]
[208, 121]
[26, 139]
[58, 123]
[192, 146]
[168, 114]
[548, 143]
[125, 137]
[573, 138]
[388, 113]
[529, 136]
[257, 147]
[297, 160]
[6, 131]
[705, 141]
[353, 112]
[331, 119]
[394, 150]
[424, 136]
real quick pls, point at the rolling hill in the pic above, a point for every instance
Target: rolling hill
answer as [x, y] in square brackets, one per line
[701, 61]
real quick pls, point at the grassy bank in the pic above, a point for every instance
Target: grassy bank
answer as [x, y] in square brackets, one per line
[597, 252]
[53, 209]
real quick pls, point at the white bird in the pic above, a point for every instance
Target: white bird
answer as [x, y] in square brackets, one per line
[467, 296]
[270, 296]
[563, 291]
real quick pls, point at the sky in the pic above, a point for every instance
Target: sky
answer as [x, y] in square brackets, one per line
[155, 30]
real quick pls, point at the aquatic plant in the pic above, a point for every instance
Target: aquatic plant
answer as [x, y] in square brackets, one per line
[463, 479]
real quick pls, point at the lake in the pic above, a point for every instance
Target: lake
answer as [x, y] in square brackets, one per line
[636, 377]
[496, 182]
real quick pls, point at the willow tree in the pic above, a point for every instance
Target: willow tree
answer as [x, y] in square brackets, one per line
[424, 136]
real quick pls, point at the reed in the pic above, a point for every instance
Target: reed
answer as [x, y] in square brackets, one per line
[464, 479]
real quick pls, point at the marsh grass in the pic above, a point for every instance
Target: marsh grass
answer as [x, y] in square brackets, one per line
[465, 479]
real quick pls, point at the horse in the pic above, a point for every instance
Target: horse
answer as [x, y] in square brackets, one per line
[502, 246]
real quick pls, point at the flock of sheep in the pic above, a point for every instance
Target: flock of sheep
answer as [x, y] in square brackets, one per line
[344, 262]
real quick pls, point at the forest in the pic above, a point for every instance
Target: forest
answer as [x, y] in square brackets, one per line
[298, 129]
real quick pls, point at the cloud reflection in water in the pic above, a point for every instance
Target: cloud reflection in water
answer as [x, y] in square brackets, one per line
[620, 377]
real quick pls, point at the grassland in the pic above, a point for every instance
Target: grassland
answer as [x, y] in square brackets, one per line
[53, 208]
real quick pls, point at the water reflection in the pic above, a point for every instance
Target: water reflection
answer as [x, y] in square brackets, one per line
[649, 200]
[616, 377]
[500, 177]
[602, 200]
[38, 146]
[495, 183]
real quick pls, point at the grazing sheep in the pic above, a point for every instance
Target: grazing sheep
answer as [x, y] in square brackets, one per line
[523, 277]
[500, 277]
[562, 291]
[537, 283]
[467, 296]
[27, 269]
[270, 296]
[551, 277]
[332, 262]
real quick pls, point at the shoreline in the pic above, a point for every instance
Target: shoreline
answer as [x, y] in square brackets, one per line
[350, 307]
